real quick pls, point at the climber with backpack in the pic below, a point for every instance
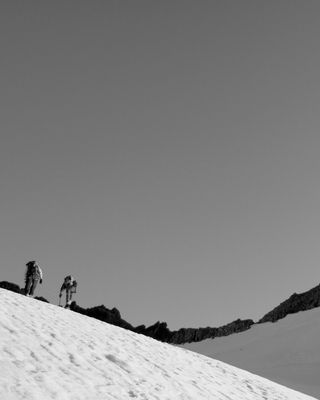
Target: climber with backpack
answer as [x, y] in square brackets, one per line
[70, 286]
[32, 277]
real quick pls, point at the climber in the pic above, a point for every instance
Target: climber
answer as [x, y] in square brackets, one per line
[32, 277]
[70, 286]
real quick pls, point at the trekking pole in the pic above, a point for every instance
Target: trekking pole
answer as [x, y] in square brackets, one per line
[59, 300]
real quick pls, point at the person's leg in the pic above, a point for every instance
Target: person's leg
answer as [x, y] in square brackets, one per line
[34, 285]
[28, 286]
[68, 297]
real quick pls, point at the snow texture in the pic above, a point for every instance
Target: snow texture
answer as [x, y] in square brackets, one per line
[47, 352]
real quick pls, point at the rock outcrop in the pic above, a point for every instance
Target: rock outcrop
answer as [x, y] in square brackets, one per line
[295, 303]
[160, 330]
[189, 335]
[102, 313]
[10, 286]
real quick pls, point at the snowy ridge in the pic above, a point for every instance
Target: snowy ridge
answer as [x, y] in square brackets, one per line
[47, 352]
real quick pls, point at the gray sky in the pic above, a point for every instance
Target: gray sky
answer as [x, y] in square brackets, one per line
[165, 153]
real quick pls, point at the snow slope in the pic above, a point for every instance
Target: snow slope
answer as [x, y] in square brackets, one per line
[47, 352]
[287, 351]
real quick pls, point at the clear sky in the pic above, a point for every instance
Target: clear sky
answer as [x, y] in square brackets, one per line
[165, 153]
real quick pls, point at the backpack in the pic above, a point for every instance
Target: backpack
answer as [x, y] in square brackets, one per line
[70, 282]
[33, 270]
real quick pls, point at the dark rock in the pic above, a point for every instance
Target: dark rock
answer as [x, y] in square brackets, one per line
[295, 303]
[42, 299]
[11, 286]
[103, 314]
[160, 330]
[189, 335]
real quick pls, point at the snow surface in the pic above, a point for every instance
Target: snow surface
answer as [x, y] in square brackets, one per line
[47, 352]
[287, 351]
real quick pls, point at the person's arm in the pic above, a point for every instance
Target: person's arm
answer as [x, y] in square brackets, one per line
[41, 274]
[63, 287]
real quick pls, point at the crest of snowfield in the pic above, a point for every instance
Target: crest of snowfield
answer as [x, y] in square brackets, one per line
[47, 352]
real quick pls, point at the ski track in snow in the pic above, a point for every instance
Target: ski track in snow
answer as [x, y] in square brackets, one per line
[47, 352]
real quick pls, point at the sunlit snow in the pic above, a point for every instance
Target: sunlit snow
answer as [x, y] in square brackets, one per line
[47, 352]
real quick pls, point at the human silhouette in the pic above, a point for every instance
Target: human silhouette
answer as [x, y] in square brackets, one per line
[70, 286]
[33, 276]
